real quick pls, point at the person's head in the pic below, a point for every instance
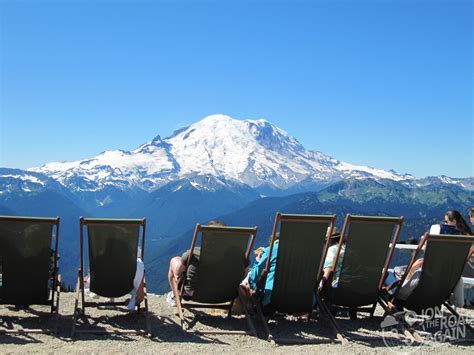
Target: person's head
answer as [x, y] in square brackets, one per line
[454, 218]
[471, 215]
[277, 237]
[216, 223]
[335, 235]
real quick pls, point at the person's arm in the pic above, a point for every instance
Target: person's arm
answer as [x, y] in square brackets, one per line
[258, 253]
[328, 265]
[416, 265]
[329, 261]
[327, 272]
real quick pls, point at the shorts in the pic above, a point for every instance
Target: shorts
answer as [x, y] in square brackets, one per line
[192, 270]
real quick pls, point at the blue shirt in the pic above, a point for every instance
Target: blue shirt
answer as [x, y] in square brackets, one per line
[257, 269]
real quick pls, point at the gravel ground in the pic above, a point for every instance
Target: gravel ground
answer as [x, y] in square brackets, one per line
[365, 333]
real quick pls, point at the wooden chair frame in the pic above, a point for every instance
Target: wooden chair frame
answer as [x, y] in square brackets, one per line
[397, 222]
[388, 302]
[80, 291]
[257, 302]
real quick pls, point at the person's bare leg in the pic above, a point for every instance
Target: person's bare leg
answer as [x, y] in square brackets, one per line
[176, 270]
[245, 294]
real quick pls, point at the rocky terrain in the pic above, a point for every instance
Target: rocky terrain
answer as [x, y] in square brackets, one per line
[167, 336]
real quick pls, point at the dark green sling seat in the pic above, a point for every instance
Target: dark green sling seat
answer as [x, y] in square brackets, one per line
[29, 267]
[222, 263]
[112, 258]
[25, 259]
[369, 245]
[300, 251]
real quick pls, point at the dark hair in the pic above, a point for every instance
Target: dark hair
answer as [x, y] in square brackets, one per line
[461, 224]
[335, 239]
[216, 223]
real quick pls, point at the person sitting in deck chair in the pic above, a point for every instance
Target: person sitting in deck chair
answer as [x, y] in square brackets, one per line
[249, 285]
[454, 224]
[331, 256]
[178, 267]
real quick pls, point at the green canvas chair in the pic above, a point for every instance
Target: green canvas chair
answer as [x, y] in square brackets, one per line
[29, 265]
[112, 254]
[369, 246]
[444, 259]
[224, 255]
[302, 247]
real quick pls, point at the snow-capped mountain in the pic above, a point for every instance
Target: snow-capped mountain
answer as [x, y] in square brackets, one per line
[16, 180]
[218, 168]
[250, 152]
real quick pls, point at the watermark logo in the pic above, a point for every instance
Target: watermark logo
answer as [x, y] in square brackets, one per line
[395, 333]
[406, 332]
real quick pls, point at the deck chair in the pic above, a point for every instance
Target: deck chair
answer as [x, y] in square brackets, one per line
[445, 256]
[112, 255]
[369, 247]
[224, 256]
[29, 265]
[303, 244]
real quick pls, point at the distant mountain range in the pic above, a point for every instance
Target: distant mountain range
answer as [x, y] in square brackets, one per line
[242, 171]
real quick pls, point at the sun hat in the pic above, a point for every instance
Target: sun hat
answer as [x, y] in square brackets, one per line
[335, 233]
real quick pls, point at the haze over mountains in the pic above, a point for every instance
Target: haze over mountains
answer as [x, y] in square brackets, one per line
[217, 167]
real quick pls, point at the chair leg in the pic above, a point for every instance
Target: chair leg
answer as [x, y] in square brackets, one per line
[229, 312]
[385, 307]
[406, 329]
[374, 306]
[247, 316]
[147, 317]
[174, 286]
[332, 321]
[53, 300]
[265, 323]
[353, 313]
[453, 311]
[76, 304]
[56, 316]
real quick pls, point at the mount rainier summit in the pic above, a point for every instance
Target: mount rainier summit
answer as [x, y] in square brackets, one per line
[250, 152]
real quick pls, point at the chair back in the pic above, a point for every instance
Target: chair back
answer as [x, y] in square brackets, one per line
[301, 248]
[112, 251]
[28, 263]
[444, 260]
[369, 244]
[222, 263]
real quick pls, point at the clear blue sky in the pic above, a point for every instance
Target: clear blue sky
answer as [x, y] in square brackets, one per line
[380, 83]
